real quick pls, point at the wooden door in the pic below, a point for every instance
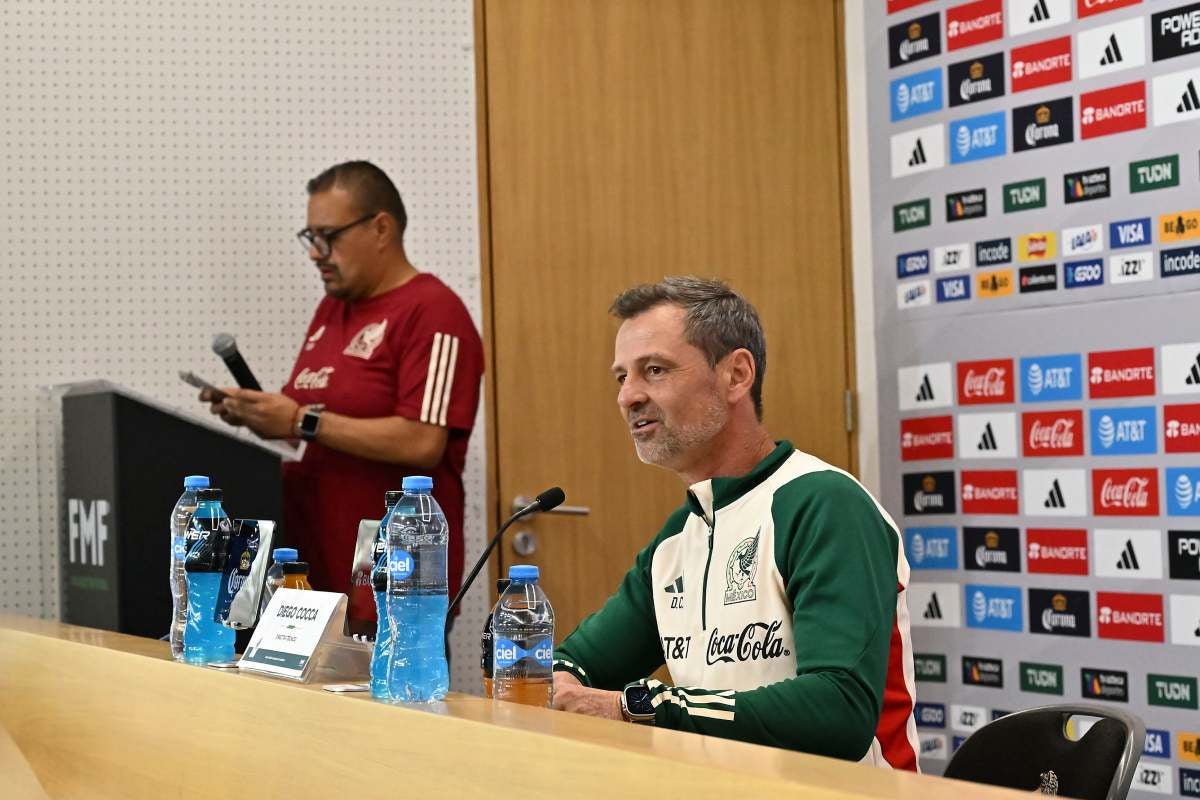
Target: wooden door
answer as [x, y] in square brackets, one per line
[623, 141]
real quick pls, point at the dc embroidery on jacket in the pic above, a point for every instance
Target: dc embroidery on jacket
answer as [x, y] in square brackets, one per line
[365, 342]
[740, 571]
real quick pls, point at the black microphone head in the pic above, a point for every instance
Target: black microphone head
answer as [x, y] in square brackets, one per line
[224, 345]
[550, 499]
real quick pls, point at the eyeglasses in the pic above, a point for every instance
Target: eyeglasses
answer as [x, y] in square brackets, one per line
[322, 241]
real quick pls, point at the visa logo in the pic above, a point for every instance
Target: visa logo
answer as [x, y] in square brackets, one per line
[1051, 379]
[1129, 233]
[914, 263]
[1124, 431]
[951, 289]
[1158, 744]
[916, 94]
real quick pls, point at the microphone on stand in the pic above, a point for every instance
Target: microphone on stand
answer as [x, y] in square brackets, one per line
[226, 347]
[546, 501]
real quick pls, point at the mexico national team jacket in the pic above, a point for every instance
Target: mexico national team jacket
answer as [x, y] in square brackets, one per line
[777, 602]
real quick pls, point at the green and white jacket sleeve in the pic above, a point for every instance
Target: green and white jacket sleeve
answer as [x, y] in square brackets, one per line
[619, 644]
[837, 557]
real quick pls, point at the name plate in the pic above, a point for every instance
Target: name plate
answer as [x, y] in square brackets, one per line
[292, 627]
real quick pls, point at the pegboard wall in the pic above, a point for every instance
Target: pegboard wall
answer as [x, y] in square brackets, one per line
[154, 157]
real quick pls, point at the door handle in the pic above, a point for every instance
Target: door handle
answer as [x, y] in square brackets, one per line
[520, 501]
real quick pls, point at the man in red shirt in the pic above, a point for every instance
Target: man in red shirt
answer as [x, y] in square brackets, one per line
[386, 383]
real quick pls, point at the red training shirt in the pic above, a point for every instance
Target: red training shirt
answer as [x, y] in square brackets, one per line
[411, 352]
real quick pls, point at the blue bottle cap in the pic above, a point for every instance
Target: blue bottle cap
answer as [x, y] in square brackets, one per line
[281, 554]
[417, 483]
[195, 482]
[526, 573]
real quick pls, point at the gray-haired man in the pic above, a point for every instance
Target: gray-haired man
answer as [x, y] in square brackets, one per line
[776, 594]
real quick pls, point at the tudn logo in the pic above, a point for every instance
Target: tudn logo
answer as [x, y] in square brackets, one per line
[1183, 491]
[962, 141]
[1034, 379]
[1108, 431]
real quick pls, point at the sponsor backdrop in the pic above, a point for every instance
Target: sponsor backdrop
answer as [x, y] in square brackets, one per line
[1038, 357]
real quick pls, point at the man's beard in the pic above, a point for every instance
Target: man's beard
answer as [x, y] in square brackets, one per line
[670, 443]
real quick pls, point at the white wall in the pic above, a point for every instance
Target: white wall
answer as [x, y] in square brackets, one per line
[153, 155]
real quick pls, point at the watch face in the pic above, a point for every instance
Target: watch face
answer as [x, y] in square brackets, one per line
[637, 700]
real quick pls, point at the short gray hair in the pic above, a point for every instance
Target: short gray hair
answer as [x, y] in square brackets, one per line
[718, 320]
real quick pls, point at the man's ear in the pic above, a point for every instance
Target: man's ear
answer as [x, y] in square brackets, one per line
[384, 228]
[739, 369]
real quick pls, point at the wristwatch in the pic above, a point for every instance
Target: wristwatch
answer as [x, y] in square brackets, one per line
[635, 704]
[310, 423]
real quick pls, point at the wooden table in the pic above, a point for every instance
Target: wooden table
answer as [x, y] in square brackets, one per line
[100, 714]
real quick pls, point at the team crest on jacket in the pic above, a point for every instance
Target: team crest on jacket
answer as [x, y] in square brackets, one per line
[365, 341]
[739, 572]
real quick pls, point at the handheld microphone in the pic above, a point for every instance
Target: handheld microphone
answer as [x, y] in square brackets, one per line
[546, 501]
[226, 347]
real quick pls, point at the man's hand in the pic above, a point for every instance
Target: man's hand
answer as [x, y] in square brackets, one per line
[218, 408]
[571, 695]
[269, 415]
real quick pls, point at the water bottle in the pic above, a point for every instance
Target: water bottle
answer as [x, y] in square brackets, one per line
[486, 646]
[181, 522]
[524, 641]
[205, 641]
[383, 635]
[417, 596]
[279, 557]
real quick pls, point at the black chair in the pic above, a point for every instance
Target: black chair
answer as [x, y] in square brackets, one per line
[1030, 750]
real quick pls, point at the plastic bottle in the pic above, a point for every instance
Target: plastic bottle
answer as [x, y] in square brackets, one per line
[486, 641]
[181, 521]
[524, 641]
[383, 631]
[417, 597]
[295, 576]
[279, 557]
[205, 641]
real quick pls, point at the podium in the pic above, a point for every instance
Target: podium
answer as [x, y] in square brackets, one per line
[124, 460]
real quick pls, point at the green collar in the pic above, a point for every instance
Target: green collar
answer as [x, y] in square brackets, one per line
[707, 497]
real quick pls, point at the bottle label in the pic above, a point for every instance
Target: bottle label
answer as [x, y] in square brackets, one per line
[400, 565]
[179, 547]
[508, 652]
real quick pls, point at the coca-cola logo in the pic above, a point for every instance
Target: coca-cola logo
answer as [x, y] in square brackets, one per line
[756, 642]
[1060, 435]
[1130, 494]
[985, 384]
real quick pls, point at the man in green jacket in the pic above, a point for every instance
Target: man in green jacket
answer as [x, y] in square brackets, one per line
[776, 594]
